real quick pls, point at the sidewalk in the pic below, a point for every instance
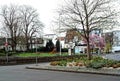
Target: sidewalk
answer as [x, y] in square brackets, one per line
[103, 71]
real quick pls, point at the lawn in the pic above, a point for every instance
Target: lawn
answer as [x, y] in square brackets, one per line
[39, 54]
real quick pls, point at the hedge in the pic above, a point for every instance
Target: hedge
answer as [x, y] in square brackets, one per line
[28, 60]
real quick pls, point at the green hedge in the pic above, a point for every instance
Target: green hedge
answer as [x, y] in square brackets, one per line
[43, 49]
[26, 60]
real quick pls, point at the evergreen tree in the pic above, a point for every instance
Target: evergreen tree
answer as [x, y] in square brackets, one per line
[49, 46]
[57, 45]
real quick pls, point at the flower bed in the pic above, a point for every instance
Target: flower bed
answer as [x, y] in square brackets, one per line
[96, 63]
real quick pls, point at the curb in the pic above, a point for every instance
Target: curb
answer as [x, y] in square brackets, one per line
[61, 70]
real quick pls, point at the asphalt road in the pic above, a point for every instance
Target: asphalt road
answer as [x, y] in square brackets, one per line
[113, 56]
[19, 73]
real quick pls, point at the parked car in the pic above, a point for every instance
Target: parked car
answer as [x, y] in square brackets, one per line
[115, 49]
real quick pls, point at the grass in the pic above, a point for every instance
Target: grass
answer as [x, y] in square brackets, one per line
[39, 54]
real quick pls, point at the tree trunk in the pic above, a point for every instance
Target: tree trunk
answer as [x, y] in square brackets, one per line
[13, 45]
[88, 50]
[27, 46]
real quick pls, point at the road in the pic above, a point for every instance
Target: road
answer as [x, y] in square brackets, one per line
[19, 73]
[113, 56]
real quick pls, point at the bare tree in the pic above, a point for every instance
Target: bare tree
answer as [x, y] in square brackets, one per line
[31, 24]
[88, 15]
[10, 21]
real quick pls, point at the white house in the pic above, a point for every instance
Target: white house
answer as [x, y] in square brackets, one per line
[54, 38]
[116, 41]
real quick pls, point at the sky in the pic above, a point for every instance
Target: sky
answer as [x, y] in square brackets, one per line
[45, 8]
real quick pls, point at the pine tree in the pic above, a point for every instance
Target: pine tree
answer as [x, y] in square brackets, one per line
[57, 45]
[49, 46]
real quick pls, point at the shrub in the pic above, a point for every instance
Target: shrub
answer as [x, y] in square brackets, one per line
[96, 58]
[96, 65]
[55, 63]
[2, 50]
[110, 63]
[64, 50]
[41, 49]
[96, 62]
[62, 63]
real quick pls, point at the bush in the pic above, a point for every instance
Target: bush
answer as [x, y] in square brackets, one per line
[41, 49]
[99, 62]
[64, 50]
[96, 58]
[96, 62]
[2, 50]
[110, 63]
[96, 65]
[55, 63]
[62, 63]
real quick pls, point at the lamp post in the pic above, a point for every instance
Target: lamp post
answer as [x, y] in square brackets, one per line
[59, 32]
[36, 52]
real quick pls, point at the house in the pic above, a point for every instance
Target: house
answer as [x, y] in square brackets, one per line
[115, 41]
[33, 43]
[48, 37]
[72, 36]
[54, 38]
[79, 43]
[116, 38]
[112, 39]
[20, 44]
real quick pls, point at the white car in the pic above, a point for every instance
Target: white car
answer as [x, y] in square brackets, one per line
[115, 49]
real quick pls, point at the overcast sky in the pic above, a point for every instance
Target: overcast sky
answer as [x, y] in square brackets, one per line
[45, 8]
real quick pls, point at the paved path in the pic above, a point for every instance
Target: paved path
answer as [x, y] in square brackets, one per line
[19, 73]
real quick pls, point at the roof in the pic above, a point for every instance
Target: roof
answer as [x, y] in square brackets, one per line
[60, 38]
[49, 34]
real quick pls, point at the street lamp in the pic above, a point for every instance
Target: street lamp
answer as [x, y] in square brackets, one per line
[36, 52]
[59, 31]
